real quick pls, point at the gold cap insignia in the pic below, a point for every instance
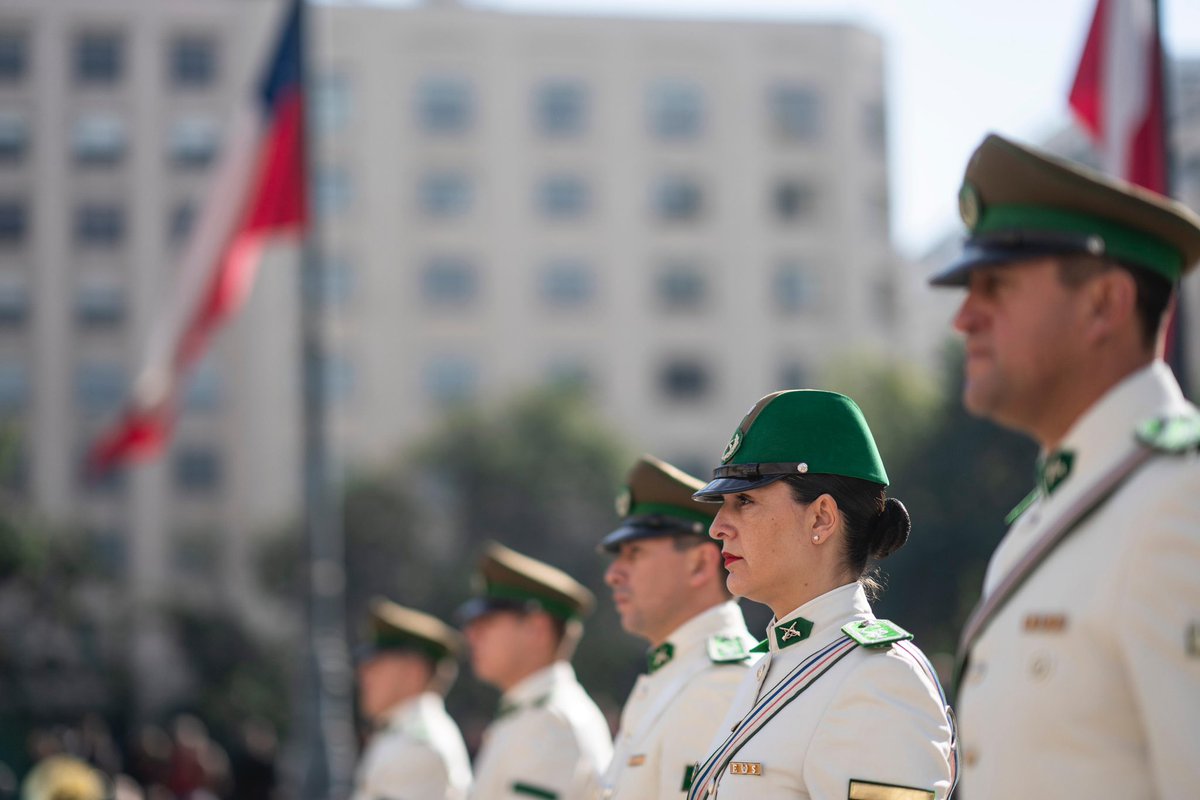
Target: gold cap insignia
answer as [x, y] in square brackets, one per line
[624, 501]
[970, 207]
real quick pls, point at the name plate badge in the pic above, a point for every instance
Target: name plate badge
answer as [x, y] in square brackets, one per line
[637, 761]
[745, 768]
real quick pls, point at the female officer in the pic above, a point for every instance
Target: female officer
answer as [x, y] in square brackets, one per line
[843, 705]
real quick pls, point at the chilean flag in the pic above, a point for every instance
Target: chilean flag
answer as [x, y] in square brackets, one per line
[1118, 92]
[1118, 99]
[258, 192]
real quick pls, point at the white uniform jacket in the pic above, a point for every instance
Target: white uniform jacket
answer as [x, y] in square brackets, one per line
[672, 713]
[873, 725]
[549, 741]
[1087, 683]
[418, 755]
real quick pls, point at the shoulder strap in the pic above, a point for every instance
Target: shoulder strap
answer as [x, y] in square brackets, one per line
[774, 701]
[1066, 522]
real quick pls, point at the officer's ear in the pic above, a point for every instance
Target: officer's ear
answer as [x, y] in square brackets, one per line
[1110, 305]
[702, 563]
[821, 517]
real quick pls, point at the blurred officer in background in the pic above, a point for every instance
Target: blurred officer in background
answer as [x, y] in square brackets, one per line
[549, 739]
[404, 672]
[1081, 666]
[668, 585]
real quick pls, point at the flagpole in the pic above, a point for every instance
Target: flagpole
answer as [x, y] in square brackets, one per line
[329, 738]
[1177, 327]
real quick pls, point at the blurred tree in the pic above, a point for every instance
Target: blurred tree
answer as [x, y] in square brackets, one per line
[958, 480]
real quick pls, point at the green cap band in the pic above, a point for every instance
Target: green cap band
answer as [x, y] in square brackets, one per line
[1120, 243]
[663, 509]
[555, 608]
[392, 639]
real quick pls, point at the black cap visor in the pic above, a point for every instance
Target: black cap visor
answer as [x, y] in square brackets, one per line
[650, 527]
[1012, 246]
[478, 607]
[717, 488]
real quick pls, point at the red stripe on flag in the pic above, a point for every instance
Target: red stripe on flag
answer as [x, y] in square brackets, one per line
[1087, 93]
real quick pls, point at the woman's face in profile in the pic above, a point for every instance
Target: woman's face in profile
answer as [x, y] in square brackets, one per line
[764, 542]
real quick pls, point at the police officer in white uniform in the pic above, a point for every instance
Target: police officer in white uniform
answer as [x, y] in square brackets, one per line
[404, 671]
[843, 705]
[668, 585]
[1081, 666]
[549, 740]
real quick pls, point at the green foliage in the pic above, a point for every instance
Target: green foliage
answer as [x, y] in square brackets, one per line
[958, 482]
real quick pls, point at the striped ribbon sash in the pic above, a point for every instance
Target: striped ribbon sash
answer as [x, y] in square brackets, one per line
[784, 692]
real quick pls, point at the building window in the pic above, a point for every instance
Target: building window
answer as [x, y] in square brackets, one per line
[682, 286]
[100, 387]
[196, 551]
[193, 61]
[678, 198]
[445, 105]
[99, 225]
[14, 222]
[331, 103]
[684, 379]
[333, 191]
[793, 200]
[445, 194]
[14, 136]
[333, 284]
[203, 390]
[14, 304]
[193, 142]
[561, 108]
[99, 140]
[451, 379]
[793, 375]
[108, 550]
[562, 197]
[13, 55]
[795, 113]
[99, 305]
[180, 222]
[99, 57]
[14, 387]
[676, 110]
[795, 289]
[196, 468]
[567, 283]
[450, 281]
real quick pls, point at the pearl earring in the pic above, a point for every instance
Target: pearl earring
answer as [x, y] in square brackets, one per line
[816, 538]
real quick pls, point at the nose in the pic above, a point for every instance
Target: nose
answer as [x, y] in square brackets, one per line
[720, 529]
[968, 317]
[613, 575]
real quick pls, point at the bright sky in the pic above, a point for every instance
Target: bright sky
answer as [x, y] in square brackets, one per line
[956, 70]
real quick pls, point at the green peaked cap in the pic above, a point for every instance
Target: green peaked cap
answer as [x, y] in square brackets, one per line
[797, 432]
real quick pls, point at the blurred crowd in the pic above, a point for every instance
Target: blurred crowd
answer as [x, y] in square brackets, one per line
[182, 761]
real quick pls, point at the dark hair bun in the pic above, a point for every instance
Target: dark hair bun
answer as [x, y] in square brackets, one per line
[889, 529]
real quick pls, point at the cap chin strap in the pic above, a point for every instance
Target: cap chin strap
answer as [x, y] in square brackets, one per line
[762, 470]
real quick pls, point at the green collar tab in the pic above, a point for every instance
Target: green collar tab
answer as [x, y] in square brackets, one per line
[659, 657]
[666, 510]
[762, 647]
[791, 632]
[555, 608]
[1021, 507]
[1054, 469]
[1171, 434]
[726, 649]
[1120, 243]
[876, 633]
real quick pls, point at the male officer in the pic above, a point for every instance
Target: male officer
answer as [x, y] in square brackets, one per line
[549, 739]
[668, 584]
[417, 752]
[1082, 662]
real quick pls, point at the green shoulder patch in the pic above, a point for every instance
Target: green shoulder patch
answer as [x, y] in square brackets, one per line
[1171, 434]
[875, 633]
[727, 649]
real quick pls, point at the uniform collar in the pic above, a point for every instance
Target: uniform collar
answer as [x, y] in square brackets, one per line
[817, 616]
[535, 688]
[405, 711]
[694, 634]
